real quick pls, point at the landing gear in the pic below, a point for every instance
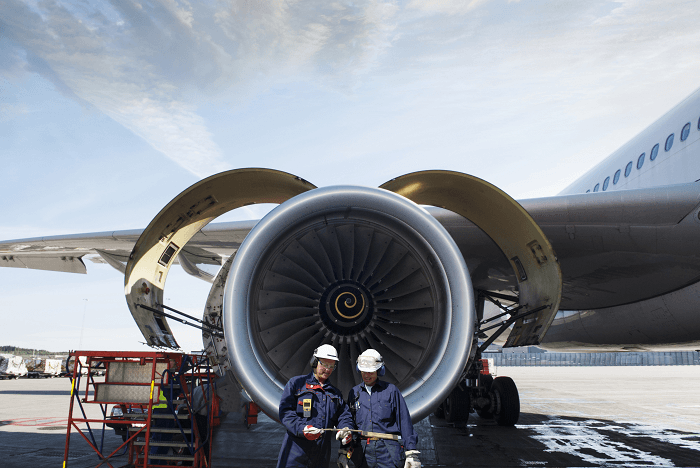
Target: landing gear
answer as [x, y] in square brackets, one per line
[497, 399]
[507, 401]
[457, 406]
[478, 391]
[490, 398]
[484, 411]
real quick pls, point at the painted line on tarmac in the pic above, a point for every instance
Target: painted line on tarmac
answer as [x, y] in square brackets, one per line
[35, 422]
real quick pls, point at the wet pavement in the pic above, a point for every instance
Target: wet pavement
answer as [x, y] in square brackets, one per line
[590, 416]
[584, 416]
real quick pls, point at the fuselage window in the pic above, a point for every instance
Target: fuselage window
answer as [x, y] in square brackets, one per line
[597, 186]
[654, 152]
[606, 182]
[698, 124]
[685, 132]
[640, 161]
[628, 168]
[616, 177]
[669, 142]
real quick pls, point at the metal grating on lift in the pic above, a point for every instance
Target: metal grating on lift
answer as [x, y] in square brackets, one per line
[150, 394]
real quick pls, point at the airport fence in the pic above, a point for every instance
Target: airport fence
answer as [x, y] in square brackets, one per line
[678, 358]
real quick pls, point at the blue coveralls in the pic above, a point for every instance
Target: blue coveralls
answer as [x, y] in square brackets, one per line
[328, 409]
[383, 411]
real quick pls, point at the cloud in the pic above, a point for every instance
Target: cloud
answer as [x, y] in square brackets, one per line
[154, 66]
[149, 65]
[169, 125]
[9, 111]
[332, 41]
[85, 60]
[449, 7]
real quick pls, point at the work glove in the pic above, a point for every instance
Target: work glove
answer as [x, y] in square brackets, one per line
[312, 433]
[344, 457]
[344, 435]
[412, 460]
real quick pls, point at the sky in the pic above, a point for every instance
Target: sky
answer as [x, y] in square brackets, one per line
[109, 109]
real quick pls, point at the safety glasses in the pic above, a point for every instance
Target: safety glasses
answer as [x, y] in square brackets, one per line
[329, 367]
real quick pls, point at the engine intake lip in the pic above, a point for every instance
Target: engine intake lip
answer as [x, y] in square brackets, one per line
[445, 341]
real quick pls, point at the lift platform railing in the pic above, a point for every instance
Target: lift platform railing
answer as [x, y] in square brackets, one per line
[152, 393]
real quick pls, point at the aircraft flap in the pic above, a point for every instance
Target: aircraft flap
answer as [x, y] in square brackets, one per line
[64, 263]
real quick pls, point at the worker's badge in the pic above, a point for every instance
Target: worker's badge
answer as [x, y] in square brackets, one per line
[307, 407]
[357, 405]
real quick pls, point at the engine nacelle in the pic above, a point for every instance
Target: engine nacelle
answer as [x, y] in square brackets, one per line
[355, 267]
[358, 268]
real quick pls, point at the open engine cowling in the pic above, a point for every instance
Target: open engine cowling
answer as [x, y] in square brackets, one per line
[358, 268]
[353, 266]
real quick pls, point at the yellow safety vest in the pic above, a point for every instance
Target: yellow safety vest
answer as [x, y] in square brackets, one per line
[162, 401]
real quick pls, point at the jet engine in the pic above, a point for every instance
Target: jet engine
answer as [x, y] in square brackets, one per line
[357, 268]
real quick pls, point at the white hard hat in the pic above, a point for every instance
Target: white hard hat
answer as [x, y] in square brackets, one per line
[326, 351]
[370, 361]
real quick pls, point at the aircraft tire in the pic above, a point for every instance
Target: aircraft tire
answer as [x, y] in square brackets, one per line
[506, 393]
[456, 406]
[486, 380]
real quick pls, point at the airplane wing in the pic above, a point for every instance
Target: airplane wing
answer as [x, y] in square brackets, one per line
[66, 253]
[613, 247]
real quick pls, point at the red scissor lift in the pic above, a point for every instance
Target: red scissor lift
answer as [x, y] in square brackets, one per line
[152, 407]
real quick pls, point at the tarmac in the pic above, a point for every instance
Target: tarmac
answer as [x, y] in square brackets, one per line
[570, 416]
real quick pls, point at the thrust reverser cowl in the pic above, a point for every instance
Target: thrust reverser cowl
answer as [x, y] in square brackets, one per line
[358, 268]
[160, 243]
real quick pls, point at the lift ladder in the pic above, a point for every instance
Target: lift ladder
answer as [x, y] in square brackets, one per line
[152, 408]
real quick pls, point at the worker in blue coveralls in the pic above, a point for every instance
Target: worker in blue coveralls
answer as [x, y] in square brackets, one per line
[310, 404]
[378, 406]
